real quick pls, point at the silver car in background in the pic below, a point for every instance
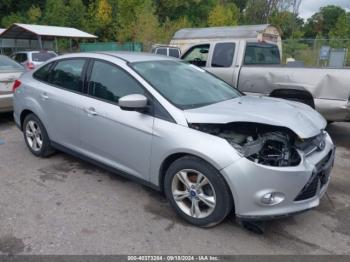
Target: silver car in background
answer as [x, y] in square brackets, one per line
[9, 72]
[32, 59]
[173, 126]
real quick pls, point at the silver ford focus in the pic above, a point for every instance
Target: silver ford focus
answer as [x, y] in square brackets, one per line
[173, 126]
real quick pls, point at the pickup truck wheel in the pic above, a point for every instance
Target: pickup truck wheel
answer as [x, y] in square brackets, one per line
[36, 137]
[294, 95]
[197, 191]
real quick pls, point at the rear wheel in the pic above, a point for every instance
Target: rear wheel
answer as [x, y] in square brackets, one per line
[36, 137]
[197, 191]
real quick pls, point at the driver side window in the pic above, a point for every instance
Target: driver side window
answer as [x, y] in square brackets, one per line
[197, 55]
[109, 82]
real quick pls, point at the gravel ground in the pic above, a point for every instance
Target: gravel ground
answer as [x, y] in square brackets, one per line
[62, 205]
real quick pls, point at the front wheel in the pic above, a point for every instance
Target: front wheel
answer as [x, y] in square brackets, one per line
[197, 191]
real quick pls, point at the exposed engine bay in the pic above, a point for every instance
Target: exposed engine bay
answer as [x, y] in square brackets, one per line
[262, 144]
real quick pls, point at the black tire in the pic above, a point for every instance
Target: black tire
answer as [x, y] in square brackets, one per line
[46, 148]
[224, 201]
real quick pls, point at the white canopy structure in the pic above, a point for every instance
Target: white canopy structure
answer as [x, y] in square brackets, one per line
[43, 33]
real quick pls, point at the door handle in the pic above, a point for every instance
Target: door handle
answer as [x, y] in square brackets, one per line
[91, 111]
[44, 96]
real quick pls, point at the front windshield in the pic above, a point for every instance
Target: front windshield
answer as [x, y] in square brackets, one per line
[185, 85]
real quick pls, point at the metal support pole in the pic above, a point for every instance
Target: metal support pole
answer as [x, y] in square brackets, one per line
[56, 45]
[40, 42]
[70, 44]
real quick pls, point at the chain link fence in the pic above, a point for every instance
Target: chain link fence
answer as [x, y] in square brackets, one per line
[317, 52]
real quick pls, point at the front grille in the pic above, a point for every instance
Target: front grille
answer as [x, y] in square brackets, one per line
[309, 189]
[320, 165]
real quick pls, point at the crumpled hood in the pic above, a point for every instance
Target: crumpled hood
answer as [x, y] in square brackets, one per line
[300, 118]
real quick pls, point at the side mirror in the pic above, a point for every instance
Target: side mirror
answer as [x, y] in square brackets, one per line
[133, 102]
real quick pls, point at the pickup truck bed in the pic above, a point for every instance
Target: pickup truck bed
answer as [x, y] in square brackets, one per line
[329, 88]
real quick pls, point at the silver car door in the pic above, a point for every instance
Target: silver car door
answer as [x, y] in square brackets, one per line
[60, 95]
[118, 138]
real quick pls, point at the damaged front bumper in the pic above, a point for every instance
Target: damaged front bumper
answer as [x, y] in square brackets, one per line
[296, 189]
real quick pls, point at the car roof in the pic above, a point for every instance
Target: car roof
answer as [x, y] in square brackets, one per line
[138, 56]
[34, 51]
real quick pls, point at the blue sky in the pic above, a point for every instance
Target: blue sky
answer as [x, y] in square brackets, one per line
[309, 7]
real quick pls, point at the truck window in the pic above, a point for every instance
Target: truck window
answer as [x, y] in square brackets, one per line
[174, 52]
[197, 55]
[223, 55]
[161, 51]
[262, 54]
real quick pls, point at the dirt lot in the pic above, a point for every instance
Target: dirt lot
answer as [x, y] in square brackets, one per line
[62, 205]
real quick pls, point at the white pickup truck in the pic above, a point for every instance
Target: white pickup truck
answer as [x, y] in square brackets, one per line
[255, 68]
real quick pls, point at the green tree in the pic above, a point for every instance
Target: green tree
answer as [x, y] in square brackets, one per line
[13, 18]
[287, 22]
[33, 14]
[340, 32]
[99, 20]
[259, 11]
[323, 21]
[127, 10]
[146, 25]
[241, 4]
[55, 13]
[196, 11]
[8, 7]
[168, 29]
[76, 13]
[223, 15]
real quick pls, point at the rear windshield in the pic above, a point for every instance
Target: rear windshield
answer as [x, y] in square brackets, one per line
[7, 64]
[42, 56]
[262, 54]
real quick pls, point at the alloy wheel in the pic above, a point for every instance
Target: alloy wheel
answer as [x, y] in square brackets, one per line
[34, 136]
[193, 193]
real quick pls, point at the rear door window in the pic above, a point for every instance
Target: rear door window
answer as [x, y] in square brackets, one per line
[197, 55]
[109, 82]
[262, 54]
[68, 74]
[21, 57]
[223, 55]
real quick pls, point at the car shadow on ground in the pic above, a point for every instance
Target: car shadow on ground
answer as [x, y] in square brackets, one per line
[6, 118]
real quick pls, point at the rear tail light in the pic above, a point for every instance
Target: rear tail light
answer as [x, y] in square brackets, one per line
[30, 65]
[16, 85]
